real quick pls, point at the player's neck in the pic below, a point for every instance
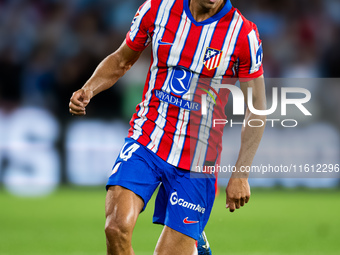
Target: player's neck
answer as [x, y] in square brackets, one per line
[204, 9]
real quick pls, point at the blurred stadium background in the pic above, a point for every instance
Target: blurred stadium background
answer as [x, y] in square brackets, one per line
[51, 163]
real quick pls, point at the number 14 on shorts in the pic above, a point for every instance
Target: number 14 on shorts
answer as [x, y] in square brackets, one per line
[125, 154]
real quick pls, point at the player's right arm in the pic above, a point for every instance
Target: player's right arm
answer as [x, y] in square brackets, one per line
[118, 63]
[105, 76]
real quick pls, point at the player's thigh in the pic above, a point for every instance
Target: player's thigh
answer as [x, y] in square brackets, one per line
[122, 207]
[172, 242]
[134, 170]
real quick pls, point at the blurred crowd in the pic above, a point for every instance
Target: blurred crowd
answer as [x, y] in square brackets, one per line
[300, 37]
[49, 48]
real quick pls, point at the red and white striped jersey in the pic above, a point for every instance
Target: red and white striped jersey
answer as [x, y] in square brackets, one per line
[185, 55]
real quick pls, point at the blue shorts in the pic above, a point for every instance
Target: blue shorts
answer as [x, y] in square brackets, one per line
[183, 202]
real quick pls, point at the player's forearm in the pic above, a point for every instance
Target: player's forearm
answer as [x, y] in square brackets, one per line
[111, 69]
[106, 75]
[250, 140]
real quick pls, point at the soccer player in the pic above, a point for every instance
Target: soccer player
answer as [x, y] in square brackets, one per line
[196, 44]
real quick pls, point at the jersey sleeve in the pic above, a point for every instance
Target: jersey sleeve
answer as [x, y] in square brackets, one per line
[139, 36]
[250, 55]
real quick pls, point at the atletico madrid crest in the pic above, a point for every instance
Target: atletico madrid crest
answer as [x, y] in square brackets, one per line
[212, 58]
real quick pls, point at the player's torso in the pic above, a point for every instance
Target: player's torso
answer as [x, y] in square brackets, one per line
[206, 48]
[185, 52]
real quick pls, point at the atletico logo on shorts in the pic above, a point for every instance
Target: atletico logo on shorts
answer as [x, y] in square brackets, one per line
[212, 58]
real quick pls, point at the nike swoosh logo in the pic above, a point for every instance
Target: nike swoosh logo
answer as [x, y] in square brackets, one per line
[186, 221]
[164, 43]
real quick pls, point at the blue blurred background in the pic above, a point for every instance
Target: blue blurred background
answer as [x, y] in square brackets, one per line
[49, 48]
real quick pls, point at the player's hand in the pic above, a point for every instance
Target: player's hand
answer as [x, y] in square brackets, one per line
[79, 100]
[238, 193]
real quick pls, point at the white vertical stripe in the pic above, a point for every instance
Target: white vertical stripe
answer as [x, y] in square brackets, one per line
[216, 60]
[203, 44]
[206, 122]
[196, 66]
[209, 63]
[213, 62]
[234, 30]
[162, 19]
[254, 45]
[204, 104]
[135, 26]
[174, 58]
[181, 128]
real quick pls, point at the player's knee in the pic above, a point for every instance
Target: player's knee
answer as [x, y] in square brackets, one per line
[118, 230]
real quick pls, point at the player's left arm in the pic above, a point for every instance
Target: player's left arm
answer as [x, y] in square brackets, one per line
[238, 190]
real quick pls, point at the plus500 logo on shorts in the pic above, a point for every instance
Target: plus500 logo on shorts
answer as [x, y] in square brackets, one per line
[174, 200]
